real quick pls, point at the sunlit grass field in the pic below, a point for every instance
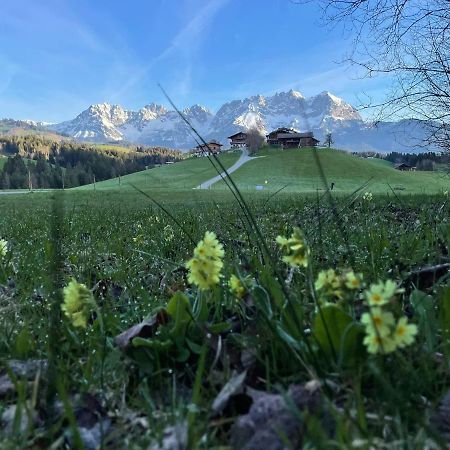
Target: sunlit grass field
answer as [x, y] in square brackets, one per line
[296, 170]
[182, 175]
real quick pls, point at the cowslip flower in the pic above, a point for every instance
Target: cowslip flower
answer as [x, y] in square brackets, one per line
[353, 280]
[328, 283]
[78, 303]
[295, 249]
[368, 196]
[206, 264]
[381, 293]
[236, 286]
[376, 343]
[404, 333]
[3, 248]
[378, 322]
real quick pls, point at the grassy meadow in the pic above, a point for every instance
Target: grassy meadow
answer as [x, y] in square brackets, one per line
[299, 317]
[297, 171]
[291, 171]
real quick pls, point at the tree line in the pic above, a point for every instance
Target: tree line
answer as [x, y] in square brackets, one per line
[34, 161]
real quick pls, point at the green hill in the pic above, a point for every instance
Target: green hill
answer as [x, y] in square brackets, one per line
[185, 174]
[293, 170]
[296, 170]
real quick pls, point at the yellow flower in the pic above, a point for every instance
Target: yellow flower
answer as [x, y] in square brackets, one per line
[378, 322]
[381, 293]
[404, 333]
[295, 249]
[368, 196]
[206, 265]
[327, 279]
[352, 280]
[77, 304]
[3, 248]
[376, 343]
[236, 287]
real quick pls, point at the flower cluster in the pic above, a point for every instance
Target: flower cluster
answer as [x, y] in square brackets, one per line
[239, 287]
[206, 264]
[367, 196]
[3, 248]
[296, 252]
[236, 286]
[381, 293]
[78, 303]
[383, 333]
[329, 283]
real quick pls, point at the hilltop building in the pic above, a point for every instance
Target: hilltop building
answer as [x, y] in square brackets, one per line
[238, 140]
[211, 148]
[290, 138]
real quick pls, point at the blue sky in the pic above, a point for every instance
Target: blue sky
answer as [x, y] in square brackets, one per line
[59, 56]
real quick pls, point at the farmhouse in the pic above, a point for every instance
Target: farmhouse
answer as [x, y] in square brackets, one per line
[290, 138]
[212, 147]
[238, 140]
[404, 167]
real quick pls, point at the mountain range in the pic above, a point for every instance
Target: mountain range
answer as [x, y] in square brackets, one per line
[156, 125]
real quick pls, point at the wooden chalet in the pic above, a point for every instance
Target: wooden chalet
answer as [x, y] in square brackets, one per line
[212, 147]
[290, 138]
[404, 167]
[238, 140]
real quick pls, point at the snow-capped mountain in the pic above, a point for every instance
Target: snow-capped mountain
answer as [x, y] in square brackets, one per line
[158, 126]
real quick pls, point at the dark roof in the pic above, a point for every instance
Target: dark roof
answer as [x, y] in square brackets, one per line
[402, 165]
[213, 141]
[237, 134]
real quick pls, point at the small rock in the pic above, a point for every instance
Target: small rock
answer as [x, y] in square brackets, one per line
[175, 438]
[440, 419]
[22, 370]
[7, 420]
[272, 416]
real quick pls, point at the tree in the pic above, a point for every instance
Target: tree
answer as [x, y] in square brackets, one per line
[408, 40]
[254, 140]
[328, 140]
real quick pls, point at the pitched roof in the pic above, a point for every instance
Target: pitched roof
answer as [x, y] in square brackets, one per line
[237, 134]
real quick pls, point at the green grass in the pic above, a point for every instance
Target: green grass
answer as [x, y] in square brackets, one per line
[185, 174]
[297, 171]
[133, 255]
[120, 241]
[2, 161]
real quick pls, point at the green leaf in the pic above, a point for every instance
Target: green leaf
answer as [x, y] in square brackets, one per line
[153, 344]
[183, 354]
[273, 287]
[24, 344]
[445, 316]
[338, 335]
[262, 301]
[179, 309]
[424, 306]
[292, 318]
[218, 328]
[195, 348]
